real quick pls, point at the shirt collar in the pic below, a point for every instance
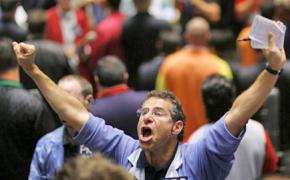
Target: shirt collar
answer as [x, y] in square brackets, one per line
[114, 90]
[10, 83]
[143, 163]
[66, 137]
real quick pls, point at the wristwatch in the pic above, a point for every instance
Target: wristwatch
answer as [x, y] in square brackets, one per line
[273, 71]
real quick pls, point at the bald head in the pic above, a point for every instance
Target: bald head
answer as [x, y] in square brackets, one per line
[78, 87]
[197, 27]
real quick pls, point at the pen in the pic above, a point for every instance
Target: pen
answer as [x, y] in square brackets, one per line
[244, 39]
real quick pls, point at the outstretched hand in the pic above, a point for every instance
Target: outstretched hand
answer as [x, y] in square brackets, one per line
[25, 54]
[276, 57]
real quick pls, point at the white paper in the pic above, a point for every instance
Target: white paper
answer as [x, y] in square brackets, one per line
[260, 29]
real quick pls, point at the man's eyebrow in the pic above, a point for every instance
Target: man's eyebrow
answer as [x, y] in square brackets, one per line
[159, 108]
[154, 108]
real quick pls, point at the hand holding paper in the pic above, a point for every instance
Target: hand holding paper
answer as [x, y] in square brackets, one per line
[275, 56]
[261, 27]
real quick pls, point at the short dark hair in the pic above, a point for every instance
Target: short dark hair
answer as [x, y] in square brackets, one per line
[96, 167]
[36, 21]
[110, 71]
[218, 94]
[176, 111]
[114, 4]
[8, 5]
[7, 56]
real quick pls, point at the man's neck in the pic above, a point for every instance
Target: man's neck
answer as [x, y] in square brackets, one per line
[160, 158]
[197, 47]
[10, 75]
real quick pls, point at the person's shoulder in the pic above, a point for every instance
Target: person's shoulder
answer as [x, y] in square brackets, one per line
[255, 127]
[23, 95]
[22, 101]
[216, 57]
[161, 23]
[107, 23]
[127, 22]
[80, 12]
[101, 103]
[173, 60]
[131, 96]
[141, 94]
[120, 16]
[137, 20]
[128, 95]
[51, 11]
[254, 123]
[52, 138]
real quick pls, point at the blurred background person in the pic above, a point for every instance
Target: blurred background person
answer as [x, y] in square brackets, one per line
[139, 37]
[183, 72]
[56, 147]
[115, 101]
[24, 119]
[68, 27]
[50, 57]
[108, 37]
[255, 155]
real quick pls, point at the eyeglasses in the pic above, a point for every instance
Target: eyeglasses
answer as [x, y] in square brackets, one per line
[156, 112]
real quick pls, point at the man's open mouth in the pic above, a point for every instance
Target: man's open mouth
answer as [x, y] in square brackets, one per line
[146, 134]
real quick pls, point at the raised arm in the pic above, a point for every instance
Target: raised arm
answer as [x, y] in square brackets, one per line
[248, 103]
[66, 106]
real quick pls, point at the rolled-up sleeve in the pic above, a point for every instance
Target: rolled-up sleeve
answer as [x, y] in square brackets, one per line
[212, 156]
[98, 136]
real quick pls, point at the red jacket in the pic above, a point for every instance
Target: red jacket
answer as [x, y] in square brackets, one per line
[53, 28]
[108, 42]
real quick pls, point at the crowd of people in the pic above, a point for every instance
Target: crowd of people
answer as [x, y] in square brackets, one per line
[115, 89]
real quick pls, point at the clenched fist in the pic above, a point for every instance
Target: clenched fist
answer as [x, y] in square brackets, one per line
[25, 54]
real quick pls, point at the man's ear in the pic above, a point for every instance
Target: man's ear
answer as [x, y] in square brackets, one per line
[177, 128]
[88, 100]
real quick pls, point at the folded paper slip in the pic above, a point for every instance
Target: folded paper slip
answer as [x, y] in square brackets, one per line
[260, 29]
